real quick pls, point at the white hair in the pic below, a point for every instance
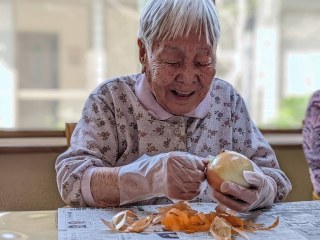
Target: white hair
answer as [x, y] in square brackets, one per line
[167, 19]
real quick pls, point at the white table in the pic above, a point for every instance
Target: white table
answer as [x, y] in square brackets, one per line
[35, 225]
[298, 221]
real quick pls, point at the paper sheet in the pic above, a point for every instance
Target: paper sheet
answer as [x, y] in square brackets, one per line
[298, 220]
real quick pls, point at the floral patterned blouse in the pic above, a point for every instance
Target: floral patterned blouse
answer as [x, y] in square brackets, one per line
[116, 129]
[311, 139]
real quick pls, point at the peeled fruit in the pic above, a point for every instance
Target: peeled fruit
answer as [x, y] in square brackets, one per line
[228, 166]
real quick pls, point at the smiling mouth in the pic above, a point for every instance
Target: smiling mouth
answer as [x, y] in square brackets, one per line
[182, 93]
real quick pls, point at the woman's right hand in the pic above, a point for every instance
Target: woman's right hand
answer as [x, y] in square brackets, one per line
[185, 173]
[176, 175]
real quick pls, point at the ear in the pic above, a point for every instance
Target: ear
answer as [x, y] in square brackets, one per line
[142, 52]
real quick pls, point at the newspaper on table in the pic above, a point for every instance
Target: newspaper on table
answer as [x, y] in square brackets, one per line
[298, 220]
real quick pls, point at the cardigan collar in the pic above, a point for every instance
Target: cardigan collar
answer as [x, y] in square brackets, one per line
[147, 99]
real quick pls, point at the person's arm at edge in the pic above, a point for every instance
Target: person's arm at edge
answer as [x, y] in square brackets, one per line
[100, 188]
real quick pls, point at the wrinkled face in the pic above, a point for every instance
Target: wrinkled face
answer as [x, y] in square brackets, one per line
[180, 72]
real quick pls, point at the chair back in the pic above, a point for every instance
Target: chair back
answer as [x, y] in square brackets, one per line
[69, 130]
[315, 196]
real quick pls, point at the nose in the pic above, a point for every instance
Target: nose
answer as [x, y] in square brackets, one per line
[188, 76]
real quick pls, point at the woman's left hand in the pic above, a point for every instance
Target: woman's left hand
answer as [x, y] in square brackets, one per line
[261, 194]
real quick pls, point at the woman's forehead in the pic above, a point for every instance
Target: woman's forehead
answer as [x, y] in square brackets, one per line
[182, 42]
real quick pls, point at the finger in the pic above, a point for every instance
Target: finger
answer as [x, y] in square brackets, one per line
[190, 187]
[236, 205]
[255, 179]
[201, 163]
[247, 195]
[179, 186]
[205, 162]
[185, 174]
[189, 195]
[189, 176]
[190, 161]
[176, 188]
[184, 196]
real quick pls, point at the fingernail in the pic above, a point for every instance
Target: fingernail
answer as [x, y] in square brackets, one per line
[222, 187]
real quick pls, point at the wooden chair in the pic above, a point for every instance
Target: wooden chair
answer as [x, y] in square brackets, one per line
[315, 196]
[69, 130]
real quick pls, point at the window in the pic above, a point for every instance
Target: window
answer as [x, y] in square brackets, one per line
[270, 51]
[53, 53]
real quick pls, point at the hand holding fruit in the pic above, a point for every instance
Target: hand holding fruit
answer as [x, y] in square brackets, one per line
[238, 183]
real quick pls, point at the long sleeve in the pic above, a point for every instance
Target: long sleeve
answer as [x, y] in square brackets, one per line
[311, 139]
[249, 141]
[93, 144]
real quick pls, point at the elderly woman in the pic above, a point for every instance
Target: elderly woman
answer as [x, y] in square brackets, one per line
[144, 138]
[311, 140]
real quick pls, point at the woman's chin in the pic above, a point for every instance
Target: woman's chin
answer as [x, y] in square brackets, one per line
[179, 106]
[179, 110]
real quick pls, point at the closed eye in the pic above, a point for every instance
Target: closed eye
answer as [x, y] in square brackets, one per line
[203, 64]
[172, 62]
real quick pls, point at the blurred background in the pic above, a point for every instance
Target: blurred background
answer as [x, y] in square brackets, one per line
[53, 53]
